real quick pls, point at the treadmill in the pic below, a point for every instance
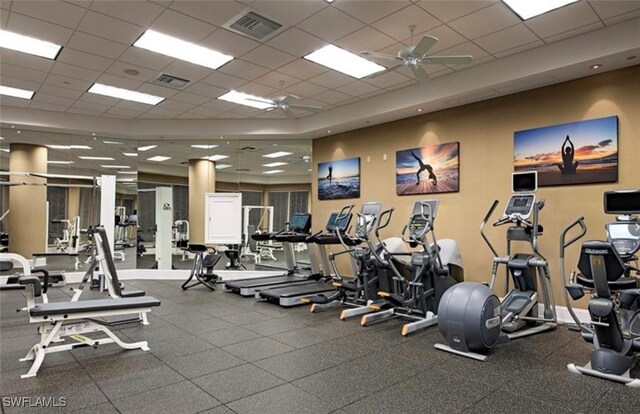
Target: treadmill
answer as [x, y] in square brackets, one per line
[291, 264]
[299, 227]
[287, 296]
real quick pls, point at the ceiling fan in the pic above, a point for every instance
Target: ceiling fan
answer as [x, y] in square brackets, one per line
[413, 57]
[286, 103]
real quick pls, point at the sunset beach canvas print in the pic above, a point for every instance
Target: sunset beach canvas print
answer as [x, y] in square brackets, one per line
[575, 153]
[339, 179]
[428, 170]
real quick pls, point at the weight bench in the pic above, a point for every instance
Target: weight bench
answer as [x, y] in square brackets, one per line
[62, 321]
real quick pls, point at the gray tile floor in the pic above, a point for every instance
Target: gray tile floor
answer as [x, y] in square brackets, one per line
[219, 353]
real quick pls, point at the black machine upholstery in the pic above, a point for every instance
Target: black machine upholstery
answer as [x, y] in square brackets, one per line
[111, 267]
[613, 266]
[83, 306]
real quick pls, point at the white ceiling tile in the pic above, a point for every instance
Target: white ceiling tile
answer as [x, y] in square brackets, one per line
[257, 89]
[562, 20]
[110, 28]
[175, 105]
[467, 48]
[183, 27]
[205, 112]
[330, 24]
[245, 110]
[302, 69]
[191, 115]
[39, 29]
[357, 88]
[622, 18]
[120, 113]
[51, 99]
[446, 36]
[146, 75]
[157, 90]
[63, 92]
[288, 12]
[296, 42]
[273, 80]
[214, 12]
[187, 71]
[57, 12]
[229, 43]
[387, 80]
[447, 10]
[268, 57]
[370, 11]
[223, 80]
[96, 45]
[48, 106]
[157, 112]
[485, 21]
[574, 32]
[529, 83]
[243, 69]
[519, 49]
[22, 73]
[65, 82]
[271, 115]
[205, 90]
[90, 106]
[163, 3]
[366, 38]
[80, 3]
[75, 72]
[190, 98]
[84, 60]
[145, 58]
[313, 102]
[331, 79]
[305, 89]
[219, 105]
[98, 99]
[396, 25]
[4, 19]
[119, 81]
[332, 97]
[6, 5]
[11, 101]
[83, 111]
[133, 106]
[612, 8]
[508, 38]
[142, 13]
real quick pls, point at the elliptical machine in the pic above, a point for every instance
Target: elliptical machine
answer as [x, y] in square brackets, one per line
[605, 271]
[471, 316]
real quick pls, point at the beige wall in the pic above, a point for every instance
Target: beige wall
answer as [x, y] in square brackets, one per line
[485, 132]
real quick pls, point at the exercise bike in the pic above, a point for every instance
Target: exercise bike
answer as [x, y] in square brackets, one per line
[471, 317]
[606, 272]
[202, 269]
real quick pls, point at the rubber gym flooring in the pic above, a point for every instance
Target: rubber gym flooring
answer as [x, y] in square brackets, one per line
[219, 353]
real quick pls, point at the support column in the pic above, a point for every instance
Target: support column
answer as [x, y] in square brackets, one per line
[202, 180]
[27, 220]
[73, 203]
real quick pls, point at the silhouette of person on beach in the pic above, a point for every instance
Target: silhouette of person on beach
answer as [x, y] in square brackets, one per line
[423, 167]
[330, 176]
[568, 166]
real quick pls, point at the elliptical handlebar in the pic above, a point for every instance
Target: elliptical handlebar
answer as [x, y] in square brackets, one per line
[583, 230]
[484, 223]
[344, 213]
[387, 215]
[565, 283]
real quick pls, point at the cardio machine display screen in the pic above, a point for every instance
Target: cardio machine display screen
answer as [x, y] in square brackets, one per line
[299, 221]
[340, 224]
[371, 209]
[520, 202]
[624, 231]
[524, 182]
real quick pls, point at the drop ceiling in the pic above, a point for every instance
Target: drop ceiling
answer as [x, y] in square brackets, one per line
[509, 55]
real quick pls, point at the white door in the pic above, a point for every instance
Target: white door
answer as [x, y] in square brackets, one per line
[223, 218]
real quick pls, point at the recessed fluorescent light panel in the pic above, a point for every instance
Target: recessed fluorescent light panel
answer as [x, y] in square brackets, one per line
[147, 148]
[344, 61]
[16, 92]
[526, 9]
[115, 166]
[66, 147]
[128, 172]
[158, 158]
[275, 164]
[180, 49]
[215, 157]
[223, 166]
[126, 94]
[96, 158]
[272, 171]
[59, 162]
[204, 146]
[27, 44]
[112, 142]
[131, 154]
[245, 99]
[5, 150]
[277, 154]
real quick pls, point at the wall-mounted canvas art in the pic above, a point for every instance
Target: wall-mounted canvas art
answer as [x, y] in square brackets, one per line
[339, 179]
[575, 153]
[428, 170]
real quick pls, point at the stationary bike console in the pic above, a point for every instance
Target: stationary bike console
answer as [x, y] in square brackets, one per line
[625, 237]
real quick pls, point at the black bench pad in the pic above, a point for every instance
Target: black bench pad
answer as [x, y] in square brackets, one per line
[64, 308]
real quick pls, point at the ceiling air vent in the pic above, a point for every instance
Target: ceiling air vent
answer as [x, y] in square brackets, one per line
[250, 149]
[242, 169]
[250, 23]
[170, 81]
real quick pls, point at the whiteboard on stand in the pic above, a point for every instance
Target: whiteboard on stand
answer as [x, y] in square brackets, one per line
[223, 218]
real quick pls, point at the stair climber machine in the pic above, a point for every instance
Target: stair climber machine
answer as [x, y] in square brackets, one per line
[470, 315]
[417, 285]
[298, 231]
[606, 272]
[300, 223]
[359, 291]
[288, 296]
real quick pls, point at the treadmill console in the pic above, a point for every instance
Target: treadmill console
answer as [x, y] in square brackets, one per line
[625, 236]
[341, 224]
[520, 205]
[300, 223]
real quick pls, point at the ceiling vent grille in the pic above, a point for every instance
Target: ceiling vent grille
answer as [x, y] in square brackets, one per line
[254, 25]
[171, 81]
[250, 149]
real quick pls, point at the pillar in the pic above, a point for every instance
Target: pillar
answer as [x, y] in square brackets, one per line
[27, 220]
[202, 180]
[73, 203]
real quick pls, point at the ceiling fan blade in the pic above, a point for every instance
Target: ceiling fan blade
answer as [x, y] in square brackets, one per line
[289, 99]
[306, 107]
[382, 72]
[288, 113]
[266, 101]
[448, 60]
[424, 45]
[420, 73]
[379, 55]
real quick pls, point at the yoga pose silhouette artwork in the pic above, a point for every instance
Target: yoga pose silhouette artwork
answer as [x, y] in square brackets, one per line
[568, 166]
[330, 175]
[422, 168]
